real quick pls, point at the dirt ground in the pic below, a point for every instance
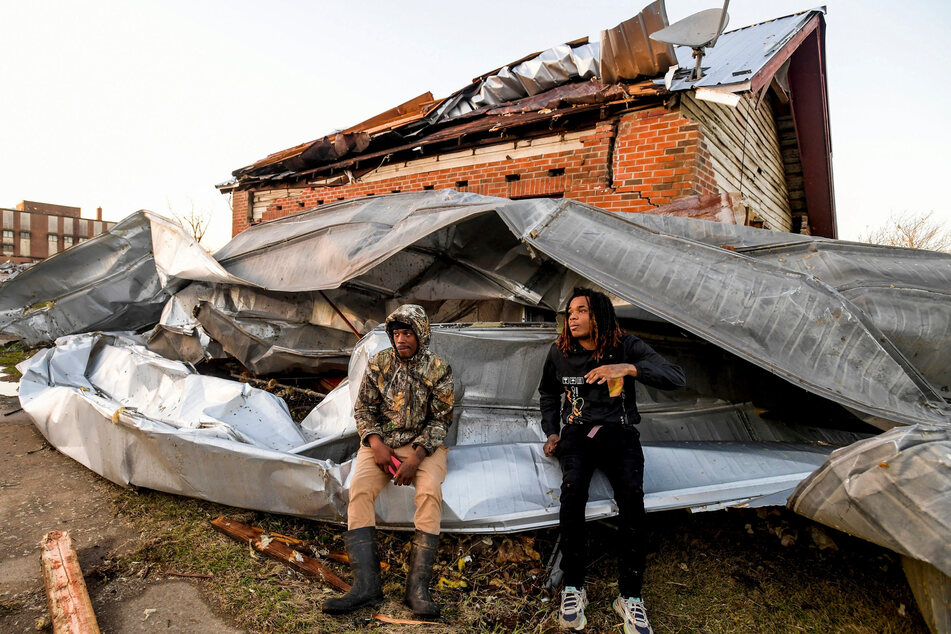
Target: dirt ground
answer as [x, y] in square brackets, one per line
[42, 490]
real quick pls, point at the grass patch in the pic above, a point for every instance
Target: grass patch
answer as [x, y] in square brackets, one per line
[12, 354]
[725, 571]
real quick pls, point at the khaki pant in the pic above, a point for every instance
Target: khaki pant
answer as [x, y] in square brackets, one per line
[368, 480]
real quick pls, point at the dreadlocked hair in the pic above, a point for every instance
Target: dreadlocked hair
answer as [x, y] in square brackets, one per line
[605, 329]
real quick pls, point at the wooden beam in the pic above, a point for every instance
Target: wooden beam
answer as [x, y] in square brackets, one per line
[279, 551]
[810, 108]
[765, 75]
[70, 609]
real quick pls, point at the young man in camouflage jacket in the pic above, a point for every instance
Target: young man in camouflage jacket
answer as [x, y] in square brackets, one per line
[403, 411]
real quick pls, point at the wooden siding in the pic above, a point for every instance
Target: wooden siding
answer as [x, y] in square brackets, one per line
[744, 149]
[789, 145]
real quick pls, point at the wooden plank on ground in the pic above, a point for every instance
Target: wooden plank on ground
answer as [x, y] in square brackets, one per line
[70, 609]
[278, 551]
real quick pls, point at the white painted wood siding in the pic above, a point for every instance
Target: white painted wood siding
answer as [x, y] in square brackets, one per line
[745, 155]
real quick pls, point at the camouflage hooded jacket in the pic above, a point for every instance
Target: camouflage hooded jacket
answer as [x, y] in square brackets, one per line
[406, 401]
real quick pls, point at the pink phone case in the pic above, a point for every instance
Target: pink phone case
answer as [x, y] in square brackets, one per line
[396, 465]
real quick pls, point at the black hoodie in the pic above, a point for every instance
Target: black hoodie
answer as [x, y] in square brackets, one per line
[591, 404]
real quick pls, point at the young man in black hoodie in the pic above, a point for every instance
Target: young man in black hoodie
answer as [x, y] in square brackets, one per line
[594, 366]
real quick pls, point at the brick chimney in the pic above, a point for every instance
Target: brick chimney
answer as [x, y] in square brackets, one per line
[98, 213]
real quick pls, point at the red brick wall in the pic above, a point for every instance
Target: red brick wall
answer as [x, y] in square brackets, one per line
[48, 208]
[239, 212]
[37, 224]
[635, 162]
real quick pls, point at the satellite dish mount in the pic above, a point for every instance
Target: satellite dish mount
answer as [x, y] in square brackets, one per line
[698, 31]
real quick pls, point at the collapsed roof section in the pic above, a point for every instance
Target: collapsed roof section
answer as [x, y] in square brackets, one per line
[853, 323]
[162, 426]
[862, 326]
[573, 85]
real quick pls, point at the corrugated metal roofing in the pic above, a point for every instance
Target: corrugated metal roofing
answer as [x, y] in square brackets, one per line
[739, 55]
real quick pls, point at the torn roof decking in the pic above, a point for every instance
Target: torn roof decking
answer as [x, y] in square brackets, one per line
[552, 110]
[741, 55]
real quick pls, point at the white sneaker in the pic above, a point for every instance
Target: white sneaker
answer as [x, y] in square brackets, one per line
[634, 615]
[573, 603]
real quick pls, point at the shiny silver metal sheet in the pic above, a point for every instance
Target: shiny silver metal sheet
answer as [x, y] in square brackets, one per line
[550, 68]
[739, 54]
[858, 325]
[892, 489]
[791, 323]
[107, 282]
[137, 418]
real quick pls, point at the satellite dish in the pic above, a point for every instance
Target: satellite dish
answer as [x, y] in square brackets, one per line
[698, 31]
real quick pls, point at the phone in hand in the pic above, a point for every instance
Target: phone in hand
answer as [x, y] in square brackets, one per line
[395, 466]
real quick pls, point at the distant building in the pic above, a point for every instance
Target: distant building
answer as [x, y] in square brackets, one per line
[34, 231]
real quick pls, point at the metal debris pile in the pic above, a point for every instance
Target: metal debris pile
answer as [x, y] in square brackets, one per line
[794, 347]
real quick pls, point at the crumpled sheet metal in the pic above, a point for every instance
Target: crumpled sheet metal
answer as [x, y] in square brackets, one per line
[628, 53]
[822, 314]
[164, 427]
[891, 489]
[546, 70]
[323, 249]
[179, 257]
[791, 323]
[267, 331]
[108, 282]
[277, 346]
[844, 321]
[906, 293]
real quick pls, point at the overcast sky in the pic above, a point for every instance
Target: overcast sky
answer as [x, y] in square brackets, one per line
[148, 104]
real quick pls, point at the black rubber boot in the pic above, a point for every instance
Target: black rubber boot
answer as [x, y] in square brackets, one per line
[421, 561]
[365, 562]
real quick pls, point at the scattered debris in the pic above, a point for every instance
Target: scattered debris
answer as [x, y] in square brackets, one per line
[394, 621]
[70, 608]
[516, 550]
[190, 575]
[451, 584]
[278, 551]
[343, 558]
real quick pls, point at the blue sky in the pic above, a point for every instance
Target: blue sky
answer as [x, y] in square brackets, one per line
[149, 104]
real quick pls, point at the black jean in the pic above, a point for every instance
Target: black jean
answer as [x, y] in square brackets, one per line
[615, 450]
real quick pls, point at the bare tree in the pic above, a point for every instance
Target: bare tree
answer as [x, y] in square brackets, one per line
[195, 220]
[911, 230]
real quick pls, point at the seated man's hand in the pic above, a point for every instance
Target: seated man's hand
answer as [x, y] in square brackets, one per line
[604, 373]
[407, 471]
[381, 453]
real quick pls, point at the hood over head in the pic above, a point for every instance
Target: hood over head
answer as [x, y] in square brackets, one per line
[415, 316]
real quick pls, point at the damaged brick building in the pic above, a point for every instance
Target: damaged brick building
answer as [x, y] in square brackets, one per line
[608, 123]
